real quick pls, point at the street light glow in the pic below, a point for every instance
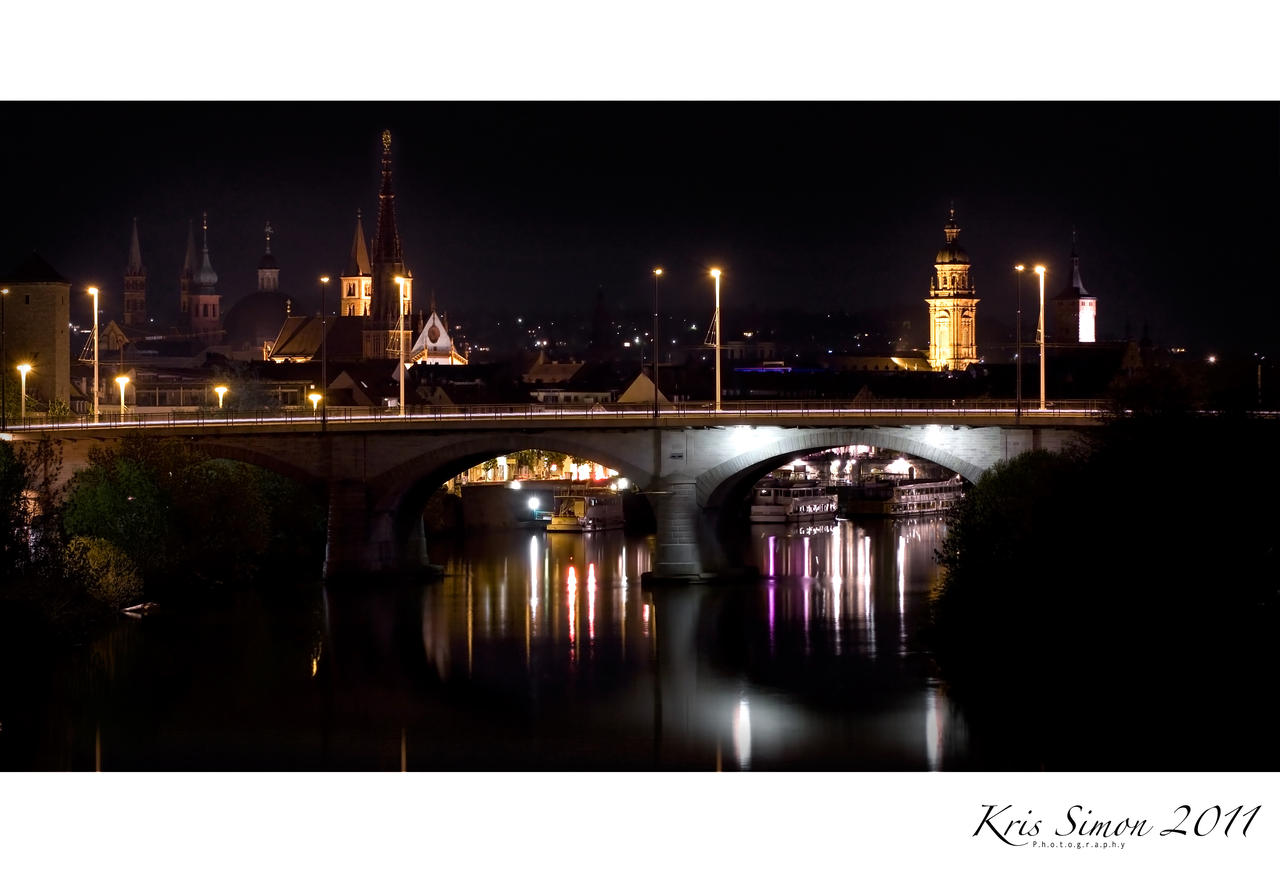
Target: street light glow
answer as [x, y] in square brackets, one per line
[315, 401]
[220, 390]
[122, 381]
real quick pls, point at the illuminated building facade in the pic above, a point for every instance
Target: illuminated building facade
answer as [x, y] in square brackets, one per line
[953, 306]
[1075, 311]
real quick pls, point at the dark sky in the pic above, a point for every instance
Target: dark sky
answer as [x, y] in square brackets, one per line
[826, 206]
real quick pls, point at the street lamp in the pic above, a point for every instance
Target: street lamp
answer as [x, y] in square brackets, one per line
[220, 390]
[122, 381]
[716, 275]
[93, 292]
[23, 370]
[4, 364]
[400, 334]
[314, 397]
[324, 356]
[1017, 415]
[657, 274]
[1040, 334]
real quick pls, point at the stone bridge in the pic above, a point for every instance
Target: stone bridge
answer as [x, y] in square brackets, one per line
[379, 475]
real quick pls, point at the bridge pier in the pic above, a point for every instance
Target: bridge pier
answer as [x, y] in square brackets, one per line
[687, 547]
[361, 541]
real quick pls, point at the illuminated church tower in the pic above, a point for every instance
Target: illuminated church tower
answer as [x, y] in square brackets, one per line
[135, 284]
[357, 281]
[1075, 311]
[953, 306]
[388, 298]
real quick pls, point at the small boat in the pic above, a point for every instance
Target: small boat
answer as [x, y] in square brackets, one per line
[138, 610]
[584, 509]
[788, 501]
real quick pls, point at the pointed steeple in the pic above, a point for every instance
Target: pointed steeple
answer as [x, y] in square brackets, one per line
[951, 228]
[359, 263]
[206, 279]
[135, 267]
[268, 269]
[1075, 286]
[388, 258]
[189, 263]
[135, 283]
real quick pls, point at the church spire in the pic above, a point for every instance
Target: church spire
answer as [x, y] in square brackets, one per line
[358, 265]
[388, 258]
[135, 267]
[206, 279]
[268, 269]
[135, 283]
[186, 278]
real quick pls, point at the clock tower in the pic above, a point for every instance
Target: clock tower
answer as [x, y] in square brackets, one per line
[953, 305]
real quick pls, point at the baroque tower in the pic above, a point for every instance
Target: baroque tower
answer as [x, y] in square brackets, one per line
[357, 281]
[268, 269]
[1075, 311]
[206, 321]
[135, 284]
[389, 299]
[953, 305]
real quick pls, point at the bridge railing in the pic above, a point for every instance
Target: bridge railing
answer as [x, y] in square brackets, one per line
[702, 411]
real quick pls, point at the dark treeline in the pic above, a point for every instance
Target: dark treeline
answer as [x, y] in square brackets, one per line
[149, 520]
[1115, 606]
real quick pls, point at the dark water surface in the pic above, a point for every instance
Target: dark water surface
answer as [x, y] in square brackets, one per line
[534, 651]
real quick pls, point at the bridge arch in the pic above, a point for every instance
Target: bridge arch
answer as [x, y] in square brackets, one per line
[728, 481]
[230, 451]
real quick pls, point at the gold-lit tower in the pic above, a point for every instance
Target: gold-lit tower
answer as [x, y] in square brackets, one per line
[953, 306]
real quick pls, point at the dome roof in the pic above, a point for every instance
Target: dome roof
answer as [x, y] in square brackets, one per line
[257, 318]
[268, 262]
[951, 254]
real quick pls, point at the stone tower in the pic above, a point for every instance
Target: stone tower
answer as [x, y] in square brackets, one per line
[268, 269]
[382, 337]
[1075, 311]
[206, 321]
[953, 305]
[135, 284]
[357, 281]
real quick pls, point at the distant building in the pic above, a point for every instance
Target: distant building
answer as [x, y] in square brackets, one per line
[135, 284]
[434, 345]
[953, 306]
[37, 332]
[1075, 311]
[253, 323]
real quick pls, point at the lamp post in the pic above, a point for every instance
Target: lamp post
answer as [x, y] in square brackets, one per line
[4, 367]
[93, 292]
[314, 397]
[122, 381]
[220, 390]
[1040, 334]
[1017, 355]
[324, 357]
[716, 275]
[657, 274]
[400, 336]
[23, 370]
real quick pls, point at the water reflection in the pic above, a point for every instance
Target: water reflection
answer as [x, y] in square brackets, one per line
[535, 651]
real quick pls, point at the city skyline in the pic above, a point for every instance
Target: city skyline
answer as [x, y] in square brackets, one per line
[822, 206]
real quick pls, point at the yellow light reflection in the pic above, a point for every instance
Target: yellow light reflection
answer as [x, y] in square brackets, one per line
[591, 601]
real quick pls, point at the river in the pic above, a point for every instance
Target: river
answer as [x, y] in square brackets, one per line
[533, 652]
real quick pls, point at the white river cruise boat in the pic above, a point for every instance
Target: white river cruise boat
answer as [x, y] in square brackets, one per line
[907, 497]
[786, 501]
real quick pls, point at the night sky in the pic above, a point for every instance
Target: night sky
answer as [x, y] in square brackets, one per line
[824, 206]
